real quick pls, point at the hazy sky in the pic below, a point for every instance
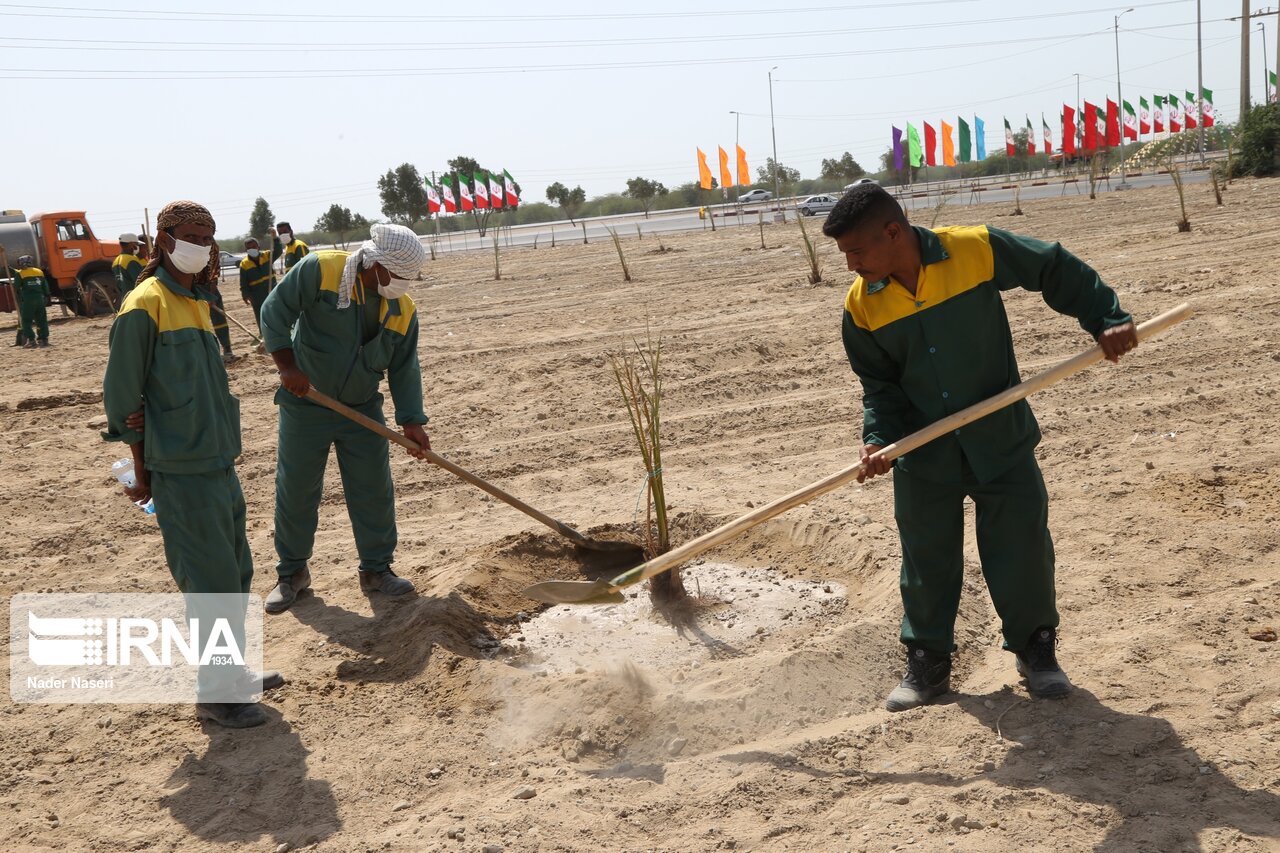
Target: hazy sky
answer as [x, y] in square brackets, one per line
[117, 105]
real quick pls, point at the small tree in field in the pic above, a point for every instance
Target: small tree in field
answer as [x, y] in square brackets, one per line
[570, 200]
[644, 191]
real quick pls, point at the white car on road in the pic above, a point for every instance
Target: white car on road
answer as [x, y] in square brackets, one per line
[755, 195]
[815, 204]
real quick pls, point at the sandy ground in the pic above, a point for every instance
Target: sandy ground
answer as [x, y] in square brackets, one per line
[755, 724]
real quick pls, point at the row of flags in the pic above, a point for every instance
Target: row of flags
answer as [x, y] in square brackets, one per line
[726, 177]
[1100, 128]
[492, 192]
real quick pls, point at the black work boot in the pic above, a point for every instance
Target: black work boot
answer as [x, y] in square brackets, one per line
[1038, 664]
[385, 582]
[928, 677]
[232, 715]
[286, 592]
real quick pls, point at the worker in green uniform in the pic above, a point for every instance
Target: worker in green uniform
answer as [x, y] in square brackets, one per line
[218, 315]
[294, 249]
[339, 321]
[32, 289]
[164, 360]
[926, 333]
[127, 264]
[257, 274]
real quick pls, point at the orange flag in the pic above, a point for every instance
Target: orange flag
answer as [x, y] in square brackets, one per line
[726, 179]
[704, 171]
[744, 174]
[948, 146]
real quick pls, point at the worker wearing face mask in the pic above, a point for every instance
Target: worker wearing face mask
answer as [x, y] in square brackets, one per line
[294, 249]
[340, 321]
[257, 275]
[127, 264]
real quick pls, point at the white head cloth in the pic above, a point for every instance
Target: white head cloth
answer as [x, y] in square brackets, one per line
[395, 247]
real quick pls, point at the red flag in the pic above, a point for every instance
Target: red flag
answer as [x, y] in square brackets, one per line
[1068, 130]
[433, 198]
[1113, 123]
[930, 142]
[1090, 127]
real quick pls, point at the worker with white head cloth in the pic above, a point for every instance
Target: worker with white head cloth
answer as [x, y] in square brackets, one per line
[339, 321]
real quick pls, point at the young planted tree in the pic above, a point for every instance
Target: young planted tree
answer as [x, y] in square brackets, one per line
[497, 263]
[617, 244]
[645, 191]
[639, 378]
[1184, 224]
[815, 269]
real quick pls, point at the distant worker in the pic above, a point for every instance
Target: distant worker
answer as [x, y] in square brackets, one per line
[294, 249]
[32, 290]
[219, 318]
[127, 264]
[341, 321]
[257, 274]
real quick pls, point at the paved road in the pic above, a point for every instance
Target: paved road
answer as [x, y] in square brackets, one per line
[726, 216]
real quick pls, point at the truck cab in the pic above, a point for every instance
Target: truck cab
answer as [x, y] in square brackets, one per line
[76, 263]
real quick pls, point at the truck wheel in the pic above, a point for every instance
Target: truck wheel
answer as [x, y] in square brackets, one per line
[98, 295]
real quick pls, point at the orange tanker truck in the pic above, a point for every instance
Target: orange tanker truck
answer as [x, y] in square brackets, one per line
[76, 264]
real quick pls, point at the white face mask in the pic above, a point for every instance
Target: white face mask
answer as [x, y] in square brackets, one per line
[395, 288]
[253, 253]
[188, 257]
[286, 237]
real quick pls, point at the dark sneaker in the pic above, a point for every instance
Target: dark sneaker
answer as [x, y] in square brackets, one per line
[286, 592]
[42, 344]
[928, 677]
[232, 715]
[1038, 664]
[385, 582]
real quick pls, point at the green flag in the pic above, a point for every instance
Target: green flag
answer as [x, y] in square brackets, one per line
[966, 142]
[915, 152]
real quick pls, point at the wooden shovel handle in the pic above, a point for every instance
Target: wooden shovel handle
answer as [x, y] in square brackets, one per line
[435, 459]
[728, 531]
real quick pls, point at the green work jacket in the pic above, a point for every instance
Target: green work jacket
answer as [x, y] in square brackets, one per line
[31, 285]
[334, 348]
[294, 252]
[126, 269]
[922, 357]
[259, 272]
[165, 359]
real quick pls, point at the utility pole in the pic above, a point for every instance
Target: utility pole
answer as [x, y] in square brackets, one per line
[1119, 99]
[1266, 84]
[1244, 58]
[778, 215]
[1200, 84]
[737, 126]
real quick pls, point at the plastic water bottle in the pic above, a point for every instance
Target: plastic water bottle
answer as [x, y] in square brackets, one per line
[123, 470]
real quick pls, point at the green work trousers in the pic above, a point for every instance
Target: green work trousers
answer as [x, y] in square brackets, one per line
[34, 318]
[307, 431]
[202, 522]
[219, 320]
[258, 295]
[1013, 544]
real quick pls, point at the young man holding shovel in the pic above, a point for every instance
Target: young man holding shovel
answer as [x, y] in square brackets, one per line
[339, 321]
[926, 332]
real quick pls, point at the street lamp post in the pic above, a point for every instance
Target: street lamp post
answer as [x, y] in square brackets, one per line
[1119, 99]
[778, 215]
[737, 126]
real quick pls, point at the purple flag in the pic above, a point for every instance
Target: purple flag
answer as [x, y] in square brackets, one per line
[897, 149]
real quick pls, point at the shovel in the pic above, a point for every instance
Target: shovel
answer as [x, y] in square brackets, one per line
[600, 592]
[630, 549]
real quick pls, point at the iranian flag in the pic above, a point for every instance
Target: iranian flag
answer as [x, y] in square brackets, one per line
[1130, 121]
[1144, 116]
[509, 186]
[481, 191]
[1090, 127]
[464, 193]
[1010, 150]
[433, 197]
[1271, 75]
[1206, 107]
[1189, 120]
[1048, 135]
[1157, 115]
[1175, 115]
[1031, 138]
[446, 195]
[495, 190]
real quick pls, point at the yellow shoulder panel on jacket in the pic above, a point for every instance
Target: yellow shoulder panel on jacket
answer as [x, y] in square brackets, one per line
[399, 323]
[168, 310]
[968, 262]
[331, 263]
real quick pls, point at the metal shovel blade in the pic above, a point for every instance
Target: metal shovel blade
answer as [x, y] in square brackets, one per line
[574, 592]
